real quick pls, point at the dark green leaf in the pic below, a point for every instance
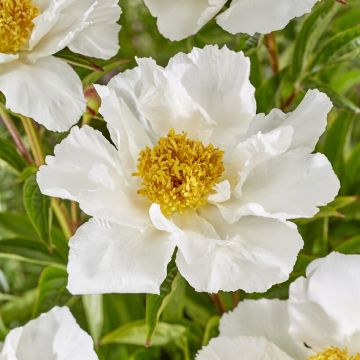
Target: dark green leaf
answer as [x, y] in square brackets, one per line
[9, 154]
[135, 333]
[155, 304]
[38, 209]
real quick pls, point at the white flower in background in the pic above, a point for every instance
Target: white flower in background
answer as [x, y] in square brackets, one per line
[52, 336]
[178, 19]
[37, 84]
[320, 321]
[190, 166]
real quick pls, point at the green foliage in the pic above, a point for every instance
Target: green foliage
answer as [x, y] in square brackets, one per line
[320, 50]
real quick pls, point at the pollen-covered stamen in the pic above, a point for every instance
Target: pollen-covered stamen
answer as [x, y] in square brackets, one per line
[334, 353]
[178, 173]
[16, 24]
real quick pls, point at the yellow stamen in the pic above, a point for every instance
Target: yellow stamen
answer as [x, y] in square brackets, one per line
[179, 173]
[334, 353]
[16, 24]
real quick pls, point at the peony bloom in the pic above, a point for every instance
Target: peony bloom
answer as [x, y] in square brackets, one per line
[178, 19]
[190, 166]
[37, 84]
[319, 321]
[52, 336]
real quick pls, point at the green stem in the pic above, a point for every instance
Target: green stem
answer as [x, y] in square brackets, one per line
[15, 135]
[62, 218]
[34, 140]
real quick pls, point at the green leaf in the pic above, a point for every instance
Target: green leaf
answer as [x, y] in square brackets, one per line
[211, 329]
[350, 246]
[311, 31]
[52, 284]
[38, 208]
[96, 76]
[342, 43]
[16, 225]
[155, 304]
[339, 100]
[19, 309]
[352, 171]
[135, 333]
[93, 306]
[335, 140]
[9, 154]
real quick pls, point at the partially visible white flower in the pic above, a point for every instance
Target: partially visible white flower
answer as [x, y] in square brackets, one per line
[178, 19]
[321, 319]
[242, 347]
[324, 307]
[54, 335]
[193, 167]
[37, 84]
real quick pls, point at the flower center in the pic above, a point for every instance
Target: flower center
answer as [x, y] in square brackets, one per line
[16, 24]
[178, 173]
[334, 353]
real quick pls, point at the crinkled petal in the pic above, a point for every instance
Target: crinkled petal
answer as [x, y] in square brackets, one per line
[52, 336]
[49, 91]
[250, 348]
[324, 307]
[262, 16]
[309, 120]
[178, 19]
[291, 185]
[126, 131]
[58, 25]
[86, 168]
[111, 258]
[160, 101]
[266, 318]
[252, 254]
[100, 38]
[254, 151]
[218, 80]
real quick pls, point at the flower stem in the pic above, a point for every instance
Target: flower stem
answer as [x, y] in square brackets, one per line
[218, 302]
[62, 217]
[5, 117]
[270, 42]
[38, 153]
[34, 140]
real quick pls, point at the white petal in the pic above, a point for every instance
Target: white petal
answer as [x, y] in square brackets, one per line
[309, 120]
[178, 19]
[52, 336]
[267, 318]
[252, 254]
[324, 307]
[262, 16]
[159, 100]
[126, 131]
[254, 151]
[49, 91]
[110, 258]
[6, 58]
[218, 80]
[242, 347]
[86, 168]
[291, 185]
[101, 37]
[58, 25]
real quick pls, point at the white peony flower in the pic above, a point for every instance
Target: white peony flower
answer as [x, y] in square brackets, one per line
[52, 336]
[320, 321]
[190, 166]
[178, 19]
[324, 307]
[37, 84]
